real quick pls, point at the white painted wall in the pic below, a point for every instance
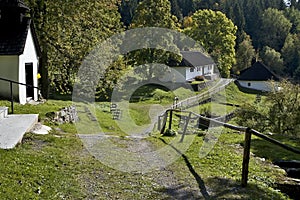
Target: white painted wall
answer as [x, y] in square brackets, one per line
[29, 56]
[9, 70]
[197, 71]
[257, 85]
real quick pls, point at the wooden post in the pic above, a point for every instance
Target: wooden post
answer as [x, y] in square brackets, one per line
[186, 126]
[170, 119]
[246, 157]
[159, 123]
[164, 123]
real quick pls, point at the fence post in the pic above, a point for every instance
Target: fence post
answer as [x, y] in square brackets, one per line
[164, 123]
[11, 98]
[186, 126]
[170, 119]
[246, 157]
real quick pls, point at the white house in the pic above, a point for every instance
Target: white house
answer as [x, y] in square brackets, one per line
[19, 51]
[257, 77]
[195, 63]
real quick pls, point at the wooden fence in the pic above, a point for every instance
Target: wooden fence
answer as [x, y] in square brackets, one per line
[213, 123]
[192, 101]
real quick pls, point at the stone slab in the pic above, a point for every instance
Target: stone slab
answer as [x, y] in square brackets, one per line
[13, 128]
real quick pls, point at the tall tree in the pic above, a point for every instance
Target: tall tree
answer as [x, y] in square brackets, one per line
[293, 15]
[216, 33]
[244, 54]
[69, 30]
[153, 13]
[291, 53]
[273, 59]
[275, 27]
[127, 10]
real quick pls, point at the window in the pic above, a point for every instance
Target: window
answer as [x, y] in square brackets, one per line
[191, 69]
[249, 84]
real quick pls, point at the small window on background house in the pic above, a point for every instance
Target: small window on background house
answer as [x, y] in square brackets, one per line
[191, 69]
[249, 84]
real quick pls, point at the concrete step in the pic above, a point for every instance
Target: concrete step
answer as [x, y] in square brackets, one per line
[3, 112]
[13, 128]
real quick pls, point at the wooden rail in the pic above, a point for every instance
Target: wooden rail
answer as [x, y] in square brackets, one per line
[189, 102]
[247, 143]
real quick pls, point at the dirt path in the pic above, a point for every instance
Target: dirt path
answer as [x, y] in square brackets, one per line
[155, 184]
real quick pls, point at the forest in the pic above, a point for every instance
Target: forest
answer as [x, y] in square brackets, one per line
[266, 30]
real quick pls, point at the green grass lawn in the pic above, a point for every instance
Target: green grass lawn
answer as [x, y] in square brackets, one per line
[57, 166]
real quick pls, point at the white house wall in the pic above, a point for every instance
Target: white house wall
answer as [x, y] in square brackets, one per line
[192, 74]
[256, 85]
[9, 70]
[29, 56]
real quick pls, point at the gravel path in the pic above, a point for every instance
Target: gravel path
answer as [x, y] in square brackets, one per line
[165, 185]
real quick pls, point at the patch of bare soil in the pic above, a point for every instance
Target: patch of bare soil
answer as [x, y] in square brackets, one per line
[107, 183]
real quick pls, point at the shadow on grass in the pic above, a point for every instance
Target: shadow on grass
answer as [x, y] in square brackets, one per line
[221, 188]
[197, 177]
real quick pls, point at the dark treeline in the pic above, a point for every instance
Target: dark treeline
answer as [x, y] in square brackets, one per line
[267, 29]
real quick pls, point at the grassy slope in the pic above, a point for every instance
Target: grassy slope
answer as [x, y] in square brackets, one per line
[57, 166]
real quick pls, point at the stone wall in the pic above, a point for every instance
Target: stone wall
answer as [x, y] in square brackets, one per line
[65, 115]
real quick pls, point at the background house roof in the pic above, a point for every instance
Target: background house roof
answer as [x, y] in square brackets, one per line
[195, 58]
[258, 72]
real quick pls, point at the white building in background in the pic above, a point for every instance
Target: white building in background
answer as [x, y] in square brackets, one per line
[195, 63]
[257, 77]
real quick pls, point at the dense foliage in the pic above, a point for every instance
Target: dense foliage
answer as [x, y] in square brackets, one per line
[266, 29]
[216, 33]
[279, 112]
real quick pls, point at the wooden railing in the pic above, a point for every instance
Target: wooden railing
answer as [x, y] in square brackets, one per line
[192, 101]
[11, 82]
[213, 123]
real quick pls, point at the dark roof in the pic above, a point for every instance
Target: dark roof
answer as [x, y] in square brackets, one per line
[13, 39]
[258, 72]
[13, 3]
[195, 58]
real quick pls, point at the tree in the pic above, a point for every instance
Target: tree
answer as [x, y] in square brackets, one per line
[291, 53]
[279, 112]
[69, 30]
[293, 15]
[273, 60]
[244, 54]
[275, 28]
[216, 33]
[154, 13]
[127, 10]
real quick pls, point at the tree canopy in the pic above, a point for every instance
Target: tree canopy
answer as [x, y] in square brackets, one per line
[216, 33]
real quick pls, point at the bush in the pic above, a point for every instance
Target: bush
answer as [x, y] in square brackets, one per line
[170, 133]
[199, 78]
[160, 95]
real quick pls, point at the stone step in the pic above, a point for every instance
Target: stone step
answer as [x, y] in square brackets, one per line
[3, 112]
[13, 128]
